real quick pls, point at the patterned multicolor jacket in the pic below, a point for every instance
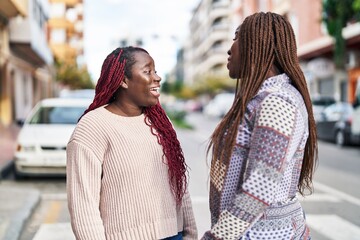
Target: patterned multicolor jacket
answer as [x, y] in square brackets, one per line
[254, 196]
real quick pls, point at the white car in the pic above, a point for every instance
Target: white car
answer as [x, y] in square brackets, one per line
[220, 105]
[42, 140]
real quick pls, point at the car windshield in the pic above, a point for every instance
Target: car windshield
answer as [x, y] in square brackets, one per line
[57, 115]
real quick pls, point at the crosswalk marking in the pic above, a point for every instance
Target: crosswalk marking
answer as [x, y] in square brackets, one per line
[55, 231]
[340, 194]
[319, 197]
[333, 227]
[330, 195]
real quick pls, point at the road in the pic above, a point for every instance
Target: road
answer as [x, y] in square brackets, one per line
[333, 211]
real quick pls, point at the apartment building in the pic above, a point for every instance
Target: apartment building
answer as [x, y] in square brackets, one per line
[26, 59]
[211, 33]
[214, 21]
[66, 31]
[316, 50]
[315, 46]
[8, 10]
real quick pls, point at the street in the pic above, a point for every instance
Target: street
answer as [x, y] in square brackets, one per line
[333, 211]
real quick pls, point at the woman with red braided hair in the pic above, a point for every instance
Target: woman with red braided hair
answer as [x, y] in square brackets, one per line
[126, 173]
[264, 150]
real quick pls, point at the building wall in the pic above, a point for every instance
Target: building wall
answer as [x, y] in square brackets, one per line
[205, 52]
[308, 17]
[32, 29]
[66, 30]
[5, 101]
[29, 68]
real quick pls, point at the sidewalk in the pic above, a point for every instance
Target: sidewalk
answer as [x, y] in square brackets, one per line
[16, 204]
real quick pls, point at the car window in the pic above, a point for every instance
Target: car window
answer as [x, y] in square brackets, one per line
[57, 115]
[323, 101]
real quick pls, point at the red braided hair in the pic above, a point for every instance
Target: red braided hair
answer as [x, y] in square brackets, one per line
[171, 148]
[116, 66]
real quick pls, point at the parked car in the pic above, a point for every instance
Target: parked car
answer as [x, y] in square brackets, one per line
[319, 103]
[78, 93]
[335, 124]
[219, 105]
[193, 106]
[42, 140]
[355, 126]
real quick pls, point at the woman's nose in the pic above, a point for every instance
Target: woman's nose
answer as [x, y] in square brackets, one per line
[157, 78]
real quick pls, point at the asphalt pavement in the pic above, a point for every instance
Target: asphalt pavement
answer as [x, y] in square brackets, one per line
[16, 204]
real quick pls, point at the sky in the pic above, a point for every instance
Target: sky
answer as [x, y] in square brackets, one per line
[162, 24]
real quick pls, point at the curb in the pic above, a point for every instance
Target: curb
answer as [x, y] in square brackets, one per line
[6, 169]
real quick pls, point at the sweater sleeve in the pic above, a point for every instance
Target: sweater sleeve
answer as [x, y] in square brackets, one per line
[270, 146]
[83, 191]
[190, 230]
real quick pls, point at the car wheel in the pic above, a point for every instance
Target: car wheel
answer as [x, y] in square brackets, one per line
[340, 138]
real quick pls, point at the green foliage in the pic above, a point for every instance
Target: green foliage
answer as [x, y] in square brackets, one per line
[213, 84]
[73, 76]
[166, 87]
[356, 8]
[178, 118]
[177, 89]
[210, 84]
[336, 14]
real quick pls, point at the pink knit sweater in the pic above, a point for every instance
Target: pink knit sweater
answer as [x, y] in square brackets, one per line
[117, 182]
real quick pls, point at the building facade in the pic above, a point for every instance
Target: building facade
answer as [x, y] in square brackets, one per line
[211, 32]
[214, 21]
[316, 51]
[26, 69]
[66, 31]
[8, 10]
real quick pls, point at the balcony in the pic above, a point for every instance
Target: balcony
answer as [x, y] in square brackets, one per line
[28, 41]
[221, 4]
[63, 23]
[11, 8]
[64, 51]
[68, 3]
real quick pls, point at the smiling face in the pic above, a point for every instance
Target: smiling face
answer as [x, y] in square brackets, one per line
[234, 57]
[142, 89]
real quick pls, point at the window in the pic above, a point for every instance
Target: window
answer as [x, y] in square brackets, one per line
[57, 115]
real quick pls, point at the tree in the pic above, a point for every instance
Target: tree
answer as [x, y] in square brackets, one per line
[336, 14]
[356, 7]
[206, 84]
[73, 76]
[213, 84]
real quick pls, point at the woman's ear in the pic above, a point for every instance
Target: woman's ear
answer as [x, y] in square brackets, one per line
[124, 84]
